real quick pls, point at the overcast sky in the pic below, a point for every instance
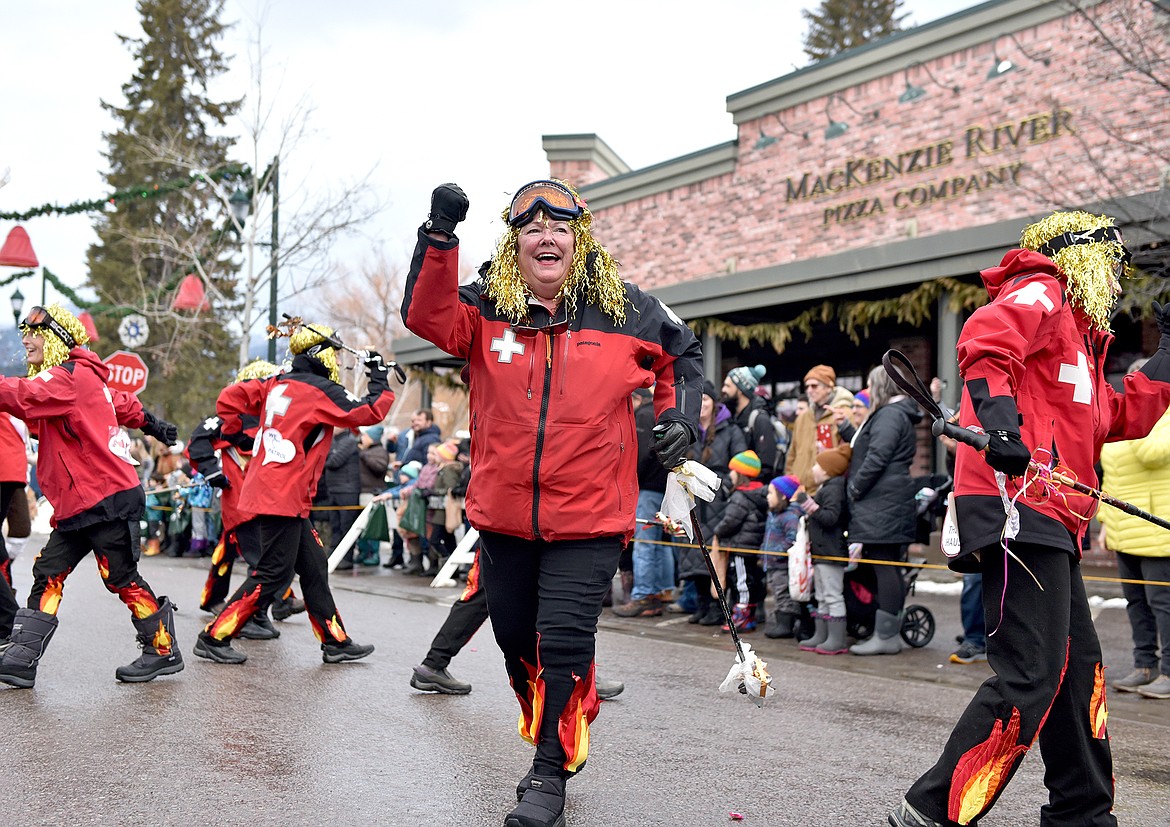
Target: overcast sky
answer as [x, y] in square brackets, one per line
[421, 93]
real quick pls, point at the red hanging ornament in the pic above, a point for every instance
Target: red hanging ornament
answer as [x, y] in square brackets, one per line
[17, 250]
[191, 295]
[90, 328]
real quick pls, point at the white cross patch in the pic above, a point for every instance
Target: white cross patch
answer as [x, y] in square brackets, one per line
[211, 423]
[1032, 293]
[1079, 377]
[507, 347]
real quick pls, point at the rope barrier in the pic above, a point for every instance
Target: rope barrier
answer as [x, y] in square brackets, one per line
[904, 564]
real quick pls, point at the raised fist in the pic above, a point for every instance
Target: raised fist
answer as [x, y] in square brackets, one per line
[448, 207]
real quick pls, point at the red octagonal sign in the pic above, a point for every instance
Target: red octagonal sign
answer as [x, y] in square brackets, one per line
[127, 371]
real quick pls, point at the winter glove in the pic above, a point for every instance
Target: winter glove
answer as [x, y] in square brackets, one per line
[448, 208]
[165, 432]
[372, 360]
[1162, 317]
[1006, 452]
[671, 440]
[215, 478]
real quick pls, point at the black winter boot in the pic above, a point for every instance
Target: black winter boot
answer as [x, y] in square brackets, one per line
[156, 636]
[31, 632]
[543, 804]
[258, 627]
[285, 607]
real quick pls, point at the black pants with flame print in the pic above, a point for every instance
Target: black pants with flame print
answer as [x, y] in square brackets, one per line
[544, 599]
[1048, 684]
[110, 543]
[288, 546]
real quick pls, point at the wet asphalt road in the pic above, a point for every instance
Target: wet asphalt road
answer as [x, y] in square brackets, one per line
[287, 740]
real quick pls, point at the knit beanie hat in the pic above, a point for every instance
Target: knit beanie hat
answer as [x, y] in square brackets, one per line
[862, 397]
[448, 451]
[823, 374]
[786, 486]
[709, 389]
[747, 379]
[835, 461]
[410, 470]
[375, 432]
[746, 463]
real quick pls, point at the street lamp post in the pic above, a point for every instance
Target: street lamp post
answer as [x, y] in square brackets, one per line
[17, 306]
[241, 205]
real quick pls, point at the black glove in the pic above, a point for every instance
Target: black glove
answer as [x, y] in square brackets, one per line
[671, 440]
[372, 359]
[165, 432]
[215, 478]
[1162, 317]
[448, 208]
[1006, 452]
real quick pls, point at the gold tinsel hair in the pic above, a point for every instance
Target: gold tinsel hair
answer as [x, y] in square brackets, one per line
[302, 339]
[1088, 268]
[257, 369]
[507, 288]
[56, 352]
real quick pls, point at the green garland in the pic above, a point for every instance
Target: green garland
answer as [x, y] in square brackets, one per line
[153, 191]
[853, 317]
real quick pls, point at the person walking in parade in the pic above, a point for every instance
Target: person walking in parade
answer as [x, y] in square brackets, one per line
[1033, 367]
[297, 411]
[555, 344]
[87, 474]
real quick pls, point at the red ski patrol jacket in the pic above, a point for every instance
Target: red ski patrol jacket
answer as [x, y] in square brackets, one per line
[297, 411]
[234, 456]
[1030, 347]
[553, 445]
[84, 457]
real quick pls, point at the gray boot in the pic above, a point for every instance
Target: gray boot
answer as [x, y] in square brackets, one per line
[834, 642]
[820, 632]
[156, 636]
[31, 632]
[886, 639]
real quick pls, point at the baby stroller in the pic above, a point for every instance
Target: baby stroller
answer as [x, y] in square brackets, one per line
[918, 624]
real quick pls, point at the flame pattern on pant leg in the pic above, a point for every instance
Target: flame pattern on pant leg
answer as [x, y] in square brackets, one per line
[579, 712]
[6, 569]
[1098, 706]
[51, 596]
[473, 584]
[222, 561]
[984, 769]
[531, 699]
[331, 628]
[234, 616]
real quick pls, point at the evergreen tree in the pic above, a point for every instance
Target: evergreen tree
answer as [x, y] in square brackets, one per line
[840, 25]
[168, 126]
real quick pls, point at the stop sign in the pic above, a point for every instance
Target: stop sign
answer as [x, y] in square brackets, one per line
[127, 371]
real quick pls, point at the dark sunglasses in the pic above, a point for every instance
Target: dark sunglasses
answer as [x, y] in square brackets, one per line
[39, 317]
[554, 199]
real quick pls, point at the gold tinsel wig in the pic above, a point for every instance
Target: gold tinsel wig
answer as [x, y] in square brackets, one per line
[257, 369]
[56, 351]
[1088, 267]
[601, 282]
[313, 343]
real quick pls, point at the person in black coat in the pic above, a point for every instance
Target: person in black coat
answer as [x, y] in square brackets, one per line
[740, 532]
[343, 478]
[882, 510]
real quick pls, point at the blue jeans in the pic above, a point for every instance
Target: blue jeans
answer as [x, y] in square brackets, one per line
[971, 610]
[653, 563]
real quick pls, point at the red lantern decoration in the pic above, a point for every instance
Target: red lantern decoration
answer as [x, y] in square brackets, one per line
[90, 328]
[17, 250]
[191, 295]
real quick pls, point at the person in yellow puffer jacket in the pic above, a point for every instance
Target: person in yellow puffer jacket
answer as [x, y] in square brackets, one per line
[1138, 471]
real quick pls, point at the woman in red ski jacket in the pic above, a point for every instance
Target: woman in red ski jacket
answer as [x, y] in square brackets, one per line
[555, 344]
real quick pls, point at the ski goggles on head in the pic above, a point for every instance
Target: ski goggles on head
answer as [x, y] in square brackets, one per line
[554, 199]
[39, 317]
[1097, 236]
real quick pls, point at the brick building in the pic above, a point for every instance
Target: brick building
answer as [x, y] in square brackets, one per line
[864, 193]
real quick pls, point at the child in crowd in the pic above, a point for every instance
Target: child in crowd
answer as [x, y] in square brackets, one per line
[779, 534]
[827, 520]
[740, 531]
